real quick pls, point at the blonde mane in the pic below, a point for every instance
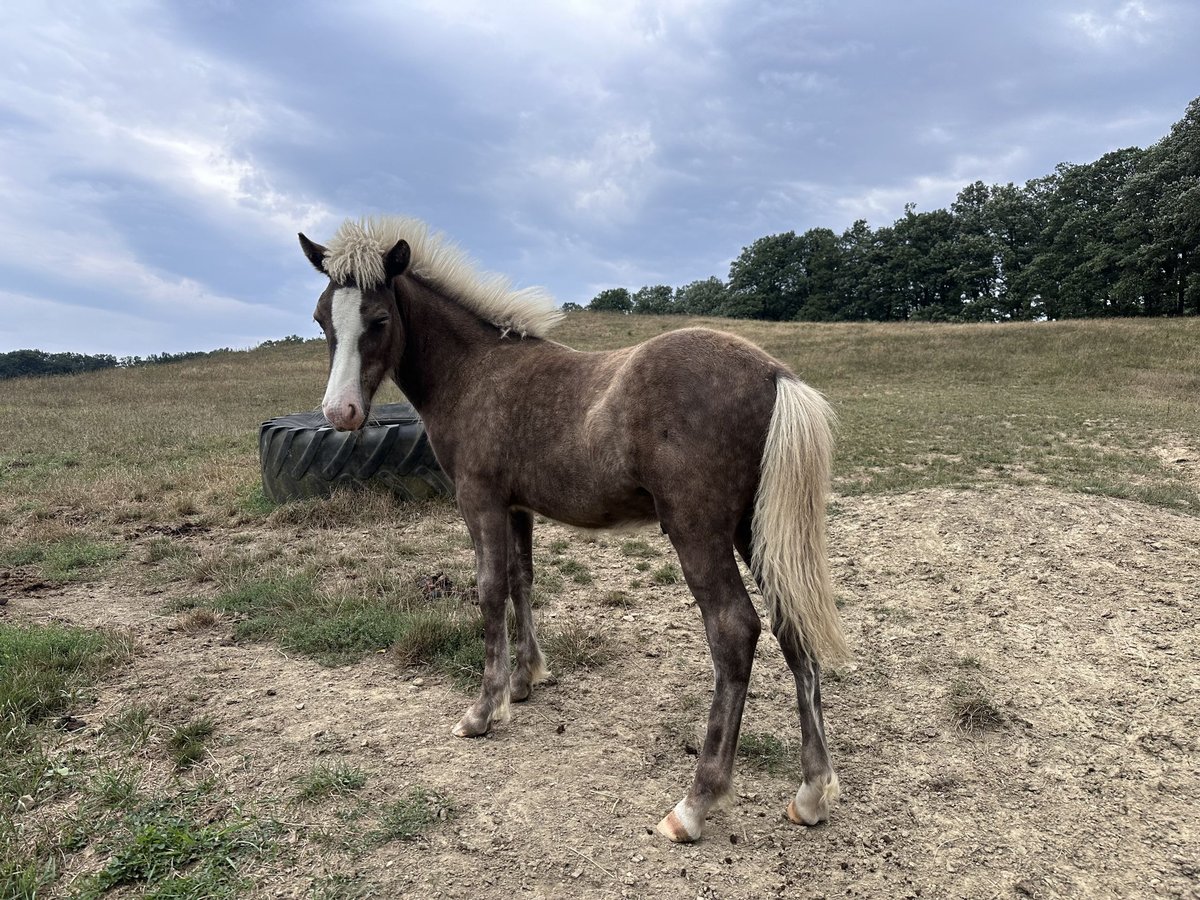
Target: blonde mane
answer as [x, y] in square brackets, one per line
[356, 254]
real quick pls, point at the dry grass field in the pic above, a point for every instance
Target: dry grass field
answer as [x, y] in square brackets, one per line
[207, 696]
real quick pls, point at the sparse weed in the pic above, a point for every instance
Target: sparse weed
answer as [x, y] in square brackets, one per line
[575, 570]
[133, 725]
[547, 580]
[162, 548]
[973, 710]
[765, 751]
[409, 818]
[638, 548]
[339, 886]
[668, 573]
[114, 788]
[187, 742]
[885, 613]
[578, 646]
[325, 781]
[619, 599]
[199, 619]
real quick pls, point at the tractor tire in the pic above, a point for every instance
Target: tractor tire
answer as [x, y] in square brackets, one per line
[303, 456]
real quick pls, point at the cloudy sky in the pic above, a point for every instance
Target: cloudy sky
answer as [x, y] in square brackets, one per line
[157, 159]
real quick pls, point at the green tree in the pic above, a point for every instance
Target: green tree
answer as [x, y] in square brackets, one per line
[1080, 262]
[612, 300]
[923, 266]
[1158, 220]
[655, 300]
[764, 281]
[702, 298]
[820, 259]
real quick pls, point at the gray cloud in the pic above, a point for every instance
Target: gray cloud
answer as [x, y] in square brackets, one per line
[159, 158]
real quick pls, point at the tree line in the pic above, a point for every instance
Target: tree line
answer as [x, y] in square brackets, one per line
[1116, 237]
[27, 363]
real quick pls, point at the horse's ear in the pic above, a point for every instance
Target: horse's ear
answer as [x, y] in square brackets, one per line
[315, 253]
[396, 260]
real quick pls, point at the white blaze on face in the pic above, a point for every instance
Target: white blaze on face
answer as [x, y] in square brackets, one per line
[343, 403]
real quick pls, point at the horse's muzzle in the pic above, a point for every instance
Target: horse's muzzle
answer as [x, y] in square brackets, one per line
[346, 415]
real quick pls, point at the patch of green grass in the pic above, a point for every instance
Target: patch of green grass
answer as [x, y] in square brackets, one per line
[187, 742]
[449, 640]
[559, 546]
[409, 818]
[766, 752]
[43, 668]
[338, 627]
[45, 671]
[577, 646]
[165, 852]
[968, 662]
[668, 573]
[642, 565]
[61, 561]
[255, 503]
[25, 871]
[325, 781]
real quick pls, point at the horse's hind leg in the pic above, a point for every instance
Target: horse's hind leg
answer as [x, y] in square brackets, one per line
[819, 788]
[531, 666]
[732, 627]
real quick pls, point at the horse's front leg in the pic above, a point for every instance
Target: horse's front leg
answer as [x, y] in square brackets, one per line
[489, 527]
[531, 665]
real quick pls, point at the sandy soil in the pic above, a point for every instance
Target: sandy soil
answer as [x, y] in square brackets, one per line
[1076, 615]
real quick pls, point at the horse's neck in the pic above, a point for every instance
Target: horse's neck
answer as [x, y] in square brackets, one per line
[444, 345]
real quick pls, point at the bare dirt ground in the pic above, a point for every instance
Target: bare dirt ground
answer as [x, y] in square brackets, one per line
[1075, 615]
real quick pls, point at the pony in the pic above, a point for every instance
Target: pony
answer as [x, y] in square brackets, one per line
[699, 431]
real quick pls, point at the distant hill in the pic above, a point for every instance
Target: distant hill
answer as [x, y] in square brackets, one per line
[33, 363]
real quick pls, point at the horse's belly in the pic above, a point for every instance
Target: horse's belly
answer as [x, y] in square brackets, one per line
[585, 506]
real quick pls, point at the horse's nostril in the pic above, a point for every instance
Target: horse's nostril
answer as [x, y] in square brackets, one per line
[353, 411]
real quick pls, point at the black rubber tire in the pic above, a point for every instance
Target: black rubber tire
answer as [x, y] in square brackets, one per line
[303, 456]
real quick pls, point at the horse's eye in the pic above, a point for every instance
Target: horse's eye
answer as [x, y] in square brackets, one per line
[379, 323]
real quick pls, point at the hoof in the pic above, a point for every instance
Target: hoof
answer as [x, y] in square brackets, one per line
[518, 691]
[673, 830]
[813, 801]
[471, 726]
[521, 682]
[680, 825]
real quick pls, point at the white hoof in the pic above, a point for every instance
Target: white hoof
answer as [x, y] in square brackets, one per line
[813, 801]
[681, 825]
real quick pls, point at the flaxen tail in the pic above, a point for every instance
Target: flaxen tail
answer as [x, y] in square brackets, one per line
[788, 553]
